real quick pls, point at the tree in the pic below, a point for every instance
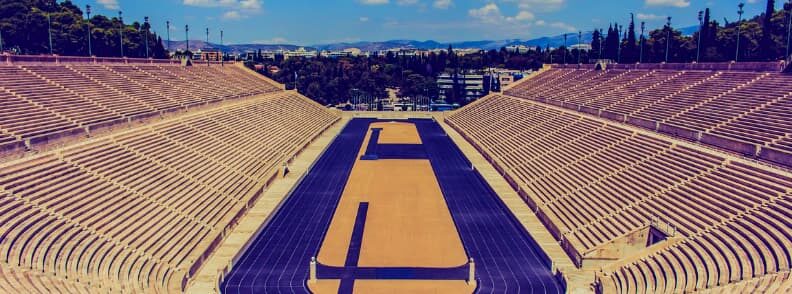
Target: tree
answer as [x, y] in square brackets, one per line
[706, 32]
[612, 42]
[24, 27]
[767, 44]
[630, 53]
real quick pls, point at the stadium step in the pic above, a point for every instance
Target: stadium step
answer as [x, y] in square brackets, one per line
[719, 95]
[110, 88]
[135, 192]
[62, 88]
[675, 93]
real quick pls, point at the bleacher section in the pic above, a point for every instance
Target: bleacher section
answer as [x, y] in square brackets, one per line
[598, 186]
[741, 111]
[42, 103]
[137, 209]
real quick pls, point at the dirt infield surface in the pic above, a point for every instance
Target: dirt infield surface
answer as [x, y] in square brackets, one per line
[408, 222]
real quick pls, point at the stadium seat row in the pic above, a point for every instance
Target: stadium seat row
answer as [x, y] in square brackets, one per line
[39, 102]
[139, 210]
[593, 182]
[744, 112]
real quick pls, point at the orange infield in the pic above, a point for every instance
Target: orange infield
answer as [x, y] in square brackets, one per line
[408, 223]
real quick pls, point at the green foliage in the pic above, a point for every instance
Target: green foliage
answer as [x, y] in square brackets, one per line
[23, 24]
[334, 81]
[762, 38]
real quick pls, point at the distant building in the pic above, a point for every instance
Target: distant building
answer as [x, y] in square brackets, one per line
[469, 51]
[349, 52]
[521, 49]
[584, 47]
[251, 55]
[300, 52]
[470, 87]
[400, 52]
[210, 54]
[506, 77]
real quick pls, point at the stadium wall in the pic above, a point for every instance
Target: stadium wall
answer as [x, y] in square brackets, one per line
[47, 59]
[715, 66]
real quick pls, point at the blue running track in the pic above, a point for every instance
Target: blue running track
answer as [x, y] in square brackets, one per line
[507, 259]
[277, 261]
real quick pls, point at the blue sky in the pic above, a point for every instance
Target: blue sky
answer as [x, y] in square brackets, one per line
[307, 22]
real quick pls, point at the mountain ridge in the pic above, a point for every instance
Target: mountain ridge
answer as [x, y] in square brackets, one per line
[552, 41]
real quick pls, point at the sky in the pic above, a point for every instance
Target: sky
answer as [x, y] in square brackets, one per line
[310, 22]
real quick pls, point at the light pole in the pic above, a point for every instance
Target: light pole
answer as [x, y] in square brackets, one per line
[739, 30]
[618, 48]
[121, 32]
[580, 36]
[789, 30]
[167, 31]
[207, 43]
[600, 47]
[222, 57]
[49, 26]
[1, 41]
[187, 39]
[88, 12]
[668, 38]
[146, 26]
[701, 30]
[643, 27]
[565, 47]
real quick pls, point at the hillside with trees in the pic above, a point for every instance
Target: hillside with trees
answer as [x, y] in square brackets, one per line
[762, 38]
[334, 80]
[23, 25]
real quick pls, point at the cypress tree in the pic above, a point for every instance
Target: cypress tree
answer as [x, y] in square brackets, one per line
[595, 43]
[706, 31]
[767, 46]
[612, 42]
[630, 49]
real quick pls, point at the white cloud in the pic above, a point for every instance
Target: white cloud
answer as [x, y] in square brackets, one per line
[491, 14]
[406, 2]
[364, 19]
[648, 16]
[210, 3]
[524, 15]
[374, 2]
[254, 5]
[443, 4]
[539, 5]
[672, 3]
[235, 9]
[233, 15]
[109, 4]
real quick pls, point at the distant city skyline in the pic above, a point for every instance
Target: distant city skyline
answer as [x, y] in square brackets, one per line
[304, 22]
